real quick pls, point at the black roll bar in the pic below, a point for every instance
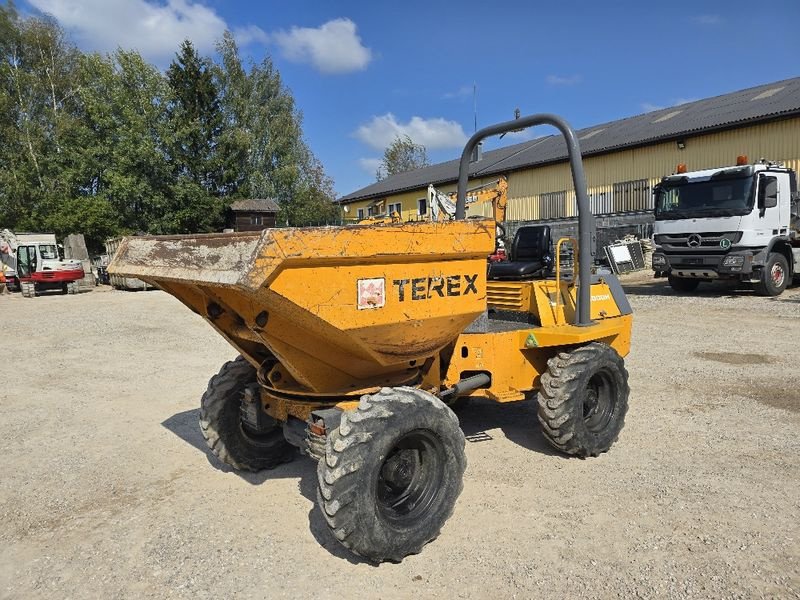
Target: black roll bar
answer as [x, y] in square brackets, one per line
[586, 222]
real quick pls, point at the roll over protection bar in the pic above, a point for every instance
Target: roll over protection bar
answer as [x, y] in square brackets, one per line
[586, 222]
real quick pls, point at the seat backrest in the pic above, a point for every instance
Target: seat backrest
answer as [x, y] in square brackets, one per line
[531, 243]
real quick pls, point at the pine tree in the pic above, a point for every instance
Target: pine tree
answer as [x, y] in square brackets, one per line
[195, 121]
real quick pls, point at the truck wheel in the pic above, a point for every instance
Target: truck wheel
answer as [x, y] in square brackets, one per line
[391, 474]
[227, 437]
[583, 399]
[774, 276]
[682, 284]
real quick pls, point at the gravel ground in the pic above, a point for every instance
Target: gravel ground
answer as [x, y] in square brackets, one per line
[108, 492]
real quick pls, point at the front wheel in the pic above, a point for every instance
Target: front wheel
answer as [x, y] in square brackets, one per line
[583, 399]
[774, 276]
[683, 284]
[228, 437]
[391, 474]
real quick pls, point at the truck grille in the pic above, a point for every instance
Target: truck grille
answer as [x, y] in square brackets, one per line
[708, 242]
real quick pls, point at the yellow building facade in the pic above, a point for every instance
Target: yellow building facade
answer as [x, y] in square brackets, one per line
[618, 181]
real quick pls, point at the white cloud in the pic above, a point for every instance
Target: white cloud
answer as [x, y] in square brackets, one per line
[155, 29]
[251, 34]
[333, 47]
[706, 20]
[370, 165]
[648, 107]
[434, 133]
[559, 80]
[465, 91]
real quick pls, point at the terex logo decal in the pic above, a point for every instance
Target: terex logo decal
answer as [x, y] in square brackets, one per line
[422, 288]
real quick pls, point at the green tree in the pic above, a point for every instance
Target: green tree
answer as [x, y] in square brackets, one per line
[122, 152]
[103, 145]
[265, 153]
[400, 156]
[196, 122]
[39, 123]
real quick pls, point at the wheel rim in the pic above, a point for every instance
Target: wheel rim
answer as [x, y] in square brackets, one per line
[777, 275]
[599, 402]
[410, 477]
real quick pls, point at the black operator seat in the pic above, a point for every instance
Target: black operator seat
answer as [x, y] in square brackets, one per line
[531, 255]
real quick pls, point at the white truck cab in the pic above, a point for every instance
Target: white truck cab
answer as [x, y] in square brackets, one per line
[739, 222]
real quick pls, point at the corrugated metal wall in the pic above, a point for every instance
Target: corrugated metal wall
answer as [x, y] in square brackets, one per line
[779, 140]
[622, 181]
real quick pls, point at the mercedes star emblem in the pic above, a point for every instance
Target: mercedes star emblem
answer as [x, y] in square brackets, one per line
[694, 240]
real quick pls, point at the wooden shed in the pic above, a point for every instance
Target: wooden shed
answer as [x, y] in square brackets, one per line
[252, 215]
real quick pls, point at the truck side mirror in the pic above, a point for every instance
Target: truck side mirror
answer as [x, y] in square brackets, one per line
[768, 192]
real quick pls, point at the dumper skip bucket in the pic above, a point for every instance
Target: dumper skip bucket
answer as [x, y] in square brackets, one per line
[341, 308]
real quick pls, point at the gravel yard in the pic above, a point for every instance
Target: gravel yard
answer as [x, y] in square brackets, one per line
[107, 490]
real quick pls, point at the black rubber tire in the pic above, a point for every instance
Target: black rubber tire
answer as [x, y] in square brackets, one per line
[221, 423]
[369, 511]
[583, 399]
[682, 284]
[769, 285]
[458, 404]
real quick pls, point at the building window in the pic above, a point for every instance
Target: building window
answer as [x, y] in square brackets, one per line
[255, 219]
[632, 196]
[371, 211]
[397, 207]
[553, 205]
[422, 206]
[360, 214]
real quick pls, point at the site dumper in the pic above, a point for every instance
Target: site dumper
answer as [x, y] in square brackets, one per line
[356, 340]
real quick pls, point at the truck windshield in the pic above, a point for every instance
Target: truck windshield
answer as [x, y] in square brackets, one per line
[724, 197]
[48, 252]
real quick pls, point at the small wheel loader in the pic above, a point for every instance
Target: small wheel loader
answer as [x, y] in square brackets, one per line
[354, 342]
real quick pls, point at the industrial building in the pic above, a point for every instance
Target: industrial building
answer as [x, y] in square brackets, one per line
[623, 159]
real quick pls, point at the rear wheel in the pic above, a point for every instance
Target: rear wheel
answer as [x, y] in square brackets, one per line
[583, 399]
[683, 284]
[774, 276]
[391, 474]
[227, 436]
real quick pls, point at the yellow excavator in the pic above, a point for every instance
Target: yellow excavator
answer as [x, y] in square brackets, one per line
[355, 341]
[442, 206]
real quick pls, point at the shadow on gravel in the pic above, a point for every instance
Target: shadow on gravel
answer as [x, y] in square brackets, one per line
[517, 420]
[185, 426]
[789, 298]
[660, 287]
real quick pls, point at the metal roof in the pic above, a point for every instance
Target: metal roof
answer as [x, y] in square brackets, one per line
[765, 102]
[263, 205]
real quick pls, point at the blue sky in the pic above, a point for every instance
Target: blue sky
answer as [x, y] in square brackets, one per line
[362, 72]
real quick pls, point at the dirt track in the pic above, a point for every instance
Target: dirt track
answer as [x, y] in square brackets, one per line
[108, 492]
